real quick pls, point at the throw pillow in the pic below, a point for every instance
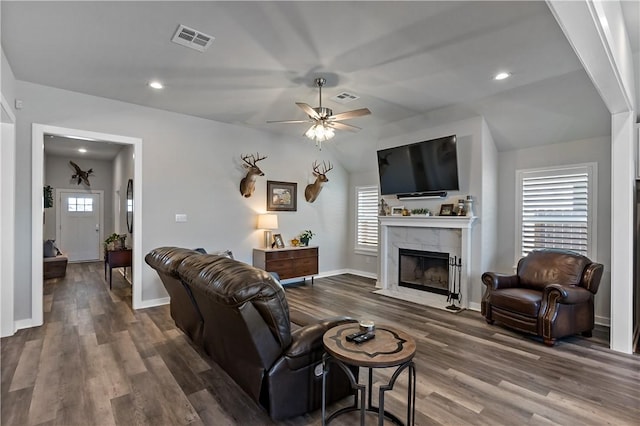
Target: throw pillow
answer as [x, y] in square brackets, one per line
[50, 249]
[224, 253]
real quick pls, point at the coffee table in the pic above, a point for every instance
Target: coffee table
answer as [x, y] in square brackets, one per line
[390, 348]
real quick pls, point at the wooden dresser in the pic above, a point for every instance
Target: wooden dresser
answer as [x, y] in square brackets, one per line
[290, 262]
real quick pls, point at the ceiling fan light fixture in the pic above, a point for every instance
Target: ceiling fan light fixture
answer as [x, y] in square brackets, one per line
[319, 133]
[324, 120]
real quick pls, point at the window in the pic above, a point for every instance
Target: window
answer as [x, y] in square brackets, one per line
[80, 204]
[367, 218]
[556, 209]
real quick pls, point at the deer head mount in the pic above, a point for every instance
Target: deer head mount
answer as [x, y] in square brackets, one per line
[248, 183]
[312, 191]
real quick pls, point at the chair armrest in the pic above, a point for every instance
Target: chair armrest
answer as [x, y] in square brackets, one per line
[568, 295]
[308, 340]
[495, 281]
[591, 277]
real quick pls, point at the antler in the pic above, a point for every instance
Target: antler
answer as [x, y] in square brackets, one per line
[253, 158]
[324, 167]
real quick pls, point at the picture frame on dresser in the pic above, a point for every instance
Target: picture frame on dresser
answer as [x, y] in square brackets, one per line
[278, 242]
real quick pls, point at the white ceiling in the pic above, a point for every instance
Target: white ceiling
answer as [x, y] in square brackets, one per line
[402, 59]
[67, 147]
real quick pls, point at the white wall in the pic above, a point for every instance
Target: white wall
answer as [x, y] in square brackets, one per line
[122, 172]
[8, 81]
[190, 166]
[575, 152]
[58, 176]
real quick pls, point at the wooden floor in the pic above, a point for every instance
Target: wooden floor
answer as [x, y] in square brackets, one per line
[95, 362]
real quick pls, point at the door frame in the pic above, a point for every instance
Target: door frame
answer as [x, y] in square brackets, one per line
[38, 132]
[7, 218]
[100, 194]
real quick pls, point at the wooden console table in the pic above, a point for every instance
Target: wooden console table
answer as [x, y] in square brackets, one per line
[290, 262]
[116, 259]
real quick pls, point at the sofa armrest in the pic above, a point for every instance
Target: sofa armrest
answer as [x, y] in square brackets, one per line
[568, 295]
[307, 340]
[495, 281]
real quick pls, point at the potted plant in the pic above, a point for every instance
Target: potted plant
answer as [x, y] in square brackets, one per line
[115, 241]
[305, 237]
[420, 212]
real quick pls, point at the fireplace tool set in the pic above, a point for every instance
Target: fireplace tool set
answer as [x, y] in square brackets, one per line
[455, 274]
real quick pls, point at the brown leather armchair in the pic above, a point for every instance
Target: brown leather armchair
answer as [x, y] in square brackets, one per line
[550, 296]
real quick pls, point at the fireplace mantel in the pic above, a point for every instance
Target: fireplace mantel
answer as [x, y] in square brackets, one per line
[454, 222]
[413, 232]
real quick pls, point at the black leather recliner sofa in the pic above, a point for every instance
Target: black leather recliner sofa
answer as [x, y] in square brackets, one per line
[239, 315]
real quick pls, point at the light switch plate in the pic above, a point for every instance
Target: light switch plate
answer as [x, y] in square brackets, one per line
[181, 217]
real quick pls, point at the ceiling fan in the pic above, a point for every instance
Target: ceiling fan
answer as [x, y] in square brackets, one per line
[323, 119]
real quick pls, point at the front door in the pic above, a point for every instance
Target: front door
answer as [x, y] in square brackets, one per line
[79, 225]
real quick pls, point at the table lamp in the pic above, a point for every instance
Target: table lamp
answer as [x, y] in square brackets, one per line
[268, 222]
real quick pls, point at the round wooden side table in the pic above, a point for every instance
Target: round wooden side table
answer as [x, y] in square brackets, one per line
[390, 348]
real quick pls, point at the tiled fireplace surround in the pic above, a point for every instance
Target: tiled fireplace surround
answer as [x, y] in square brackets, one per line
[429, 233]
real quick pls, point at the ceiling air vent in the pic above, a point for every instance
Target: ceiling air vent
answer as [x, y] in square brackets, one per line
[345, 97]
[194, 39]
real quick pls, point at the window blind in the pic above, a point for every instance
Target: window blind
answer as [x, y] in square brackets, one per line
[555, 211]
[367, 217]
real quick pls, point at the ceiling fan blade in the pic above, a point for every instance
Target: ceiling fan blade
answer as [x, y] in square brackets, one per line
[349, 114]
[290, 121]
[308, 110]
[343, 126]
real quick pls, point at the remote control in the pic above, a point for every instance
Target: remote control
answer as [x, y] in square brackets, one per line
[350, 337]
[364, 338]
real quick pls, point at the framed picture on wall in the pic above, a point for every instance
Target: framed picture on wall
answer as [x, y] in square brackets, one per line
[282, 196]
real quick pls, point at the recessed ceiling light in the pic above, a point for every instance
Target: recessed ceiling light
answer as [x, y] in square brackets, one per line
[82, 150]
[502, 76]
[156, 85]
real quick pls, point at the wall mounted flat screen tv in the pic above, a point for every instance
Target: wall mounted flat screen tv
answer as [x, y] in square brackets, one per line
[420, 168]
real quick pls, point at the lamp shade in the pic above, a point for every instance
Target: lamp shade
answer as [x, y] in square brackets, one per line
[267, 221]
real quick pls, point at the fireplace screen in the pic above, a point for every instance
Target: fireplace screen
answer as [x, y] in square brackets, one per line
[424, 270]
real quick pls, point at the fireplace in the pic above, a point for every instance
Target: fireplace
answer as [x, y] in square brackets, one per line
[445, 234]
[424, 270]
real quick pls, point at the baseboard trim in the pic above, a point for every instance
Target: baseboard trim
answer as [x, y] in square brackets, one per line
[603, 321]
[332, 273]
[364, 274]
[474, 306]
[13, 330]
[152, 303]
[24, 323]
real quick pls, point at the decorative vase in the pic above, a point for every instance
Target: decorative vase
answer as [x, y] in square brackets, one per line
[304, 241]
[469, 206]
